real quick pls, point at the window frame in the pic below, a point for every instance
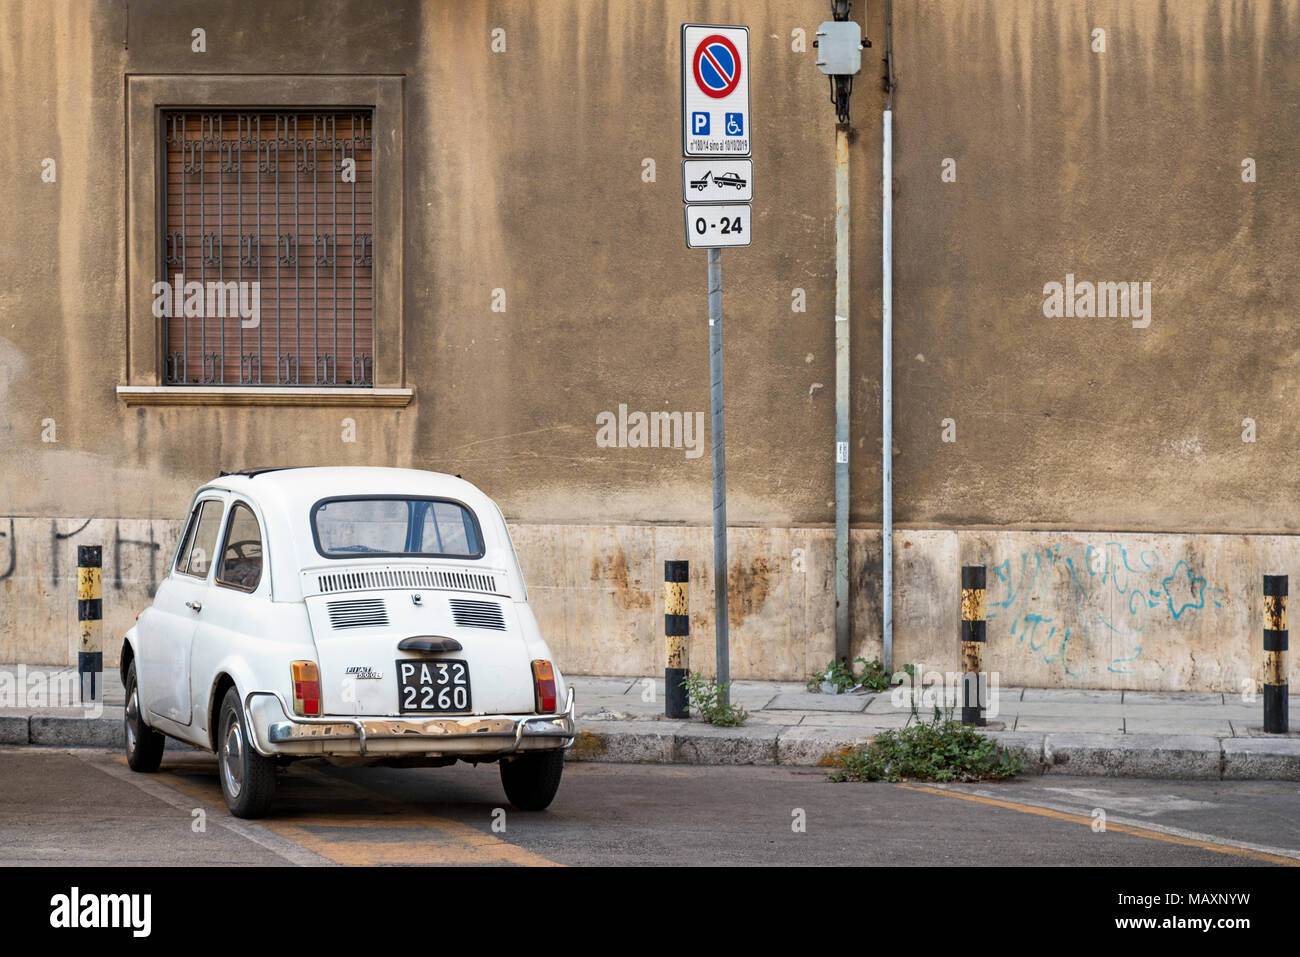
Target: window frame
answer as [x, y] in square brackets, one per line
[187, 546]
[148, 96]
[354, 556]
[225, 541]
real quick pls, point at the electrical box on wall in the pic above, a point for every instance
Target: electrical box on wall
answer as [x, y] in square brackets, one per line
[839, 48]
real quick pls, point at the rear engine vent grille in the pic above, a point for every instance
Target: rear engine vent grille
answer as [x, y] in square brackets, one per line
[358, 613]
[478, 614]
[405, 578]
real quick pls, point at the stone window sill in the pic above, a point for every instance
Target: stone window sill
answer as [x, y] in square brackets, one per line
[291, 396]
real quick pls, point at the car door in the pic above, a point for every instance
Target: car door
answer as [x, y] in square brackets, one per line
[237, 610]
[167, 633]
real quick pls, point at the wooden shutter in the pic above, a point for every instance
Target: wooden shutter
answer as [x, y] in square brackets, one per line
[262, 197]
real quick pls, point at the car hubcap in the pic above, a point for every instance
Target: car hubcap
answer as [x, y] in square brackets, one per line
[232, 759]
[132, 715]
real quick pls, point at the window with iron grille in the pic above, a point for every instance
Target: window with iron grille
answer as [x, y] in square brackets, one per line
[265, 213]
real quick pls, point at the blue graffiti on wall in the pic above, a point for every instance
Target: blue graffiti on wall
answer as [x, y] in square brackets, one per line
[1108, 590]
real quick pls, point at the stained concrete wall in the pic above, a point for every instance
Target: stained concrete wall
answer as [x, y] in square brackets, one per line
[1141, 611]
[523, 171]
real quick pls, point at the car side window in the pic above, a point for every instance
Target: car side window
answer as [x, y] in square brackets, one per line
[241, 553]
[183, 553]
[201, 540]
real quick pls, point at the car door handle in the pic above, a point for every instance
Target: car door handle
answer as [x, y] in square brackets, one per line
[194, 605]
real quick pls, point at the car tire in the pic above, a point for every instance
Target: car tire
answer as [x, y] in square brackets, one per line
[247, 778]
[531, 779]
[144, 745]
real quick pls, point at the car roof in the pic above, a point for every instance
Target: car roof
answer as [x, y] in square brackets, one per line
[312, 483]
[285, 497]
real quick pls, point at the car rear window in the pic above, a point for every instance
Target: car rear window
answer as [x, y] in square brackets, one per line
[352, 527]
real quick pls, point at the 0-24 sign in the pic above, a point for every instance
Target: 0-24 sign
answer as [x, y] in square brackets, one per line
[709, 226]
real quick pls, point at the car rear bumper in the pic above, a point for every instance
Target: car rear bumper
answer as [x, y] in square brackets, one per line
[274, 731]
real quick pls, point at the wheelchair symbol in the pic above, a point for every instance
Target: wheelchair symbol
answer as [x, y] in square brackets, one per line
[735, 124]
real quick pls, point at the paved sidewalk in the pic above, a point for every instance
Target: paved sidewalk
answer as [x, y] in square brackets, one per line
[1114, 733]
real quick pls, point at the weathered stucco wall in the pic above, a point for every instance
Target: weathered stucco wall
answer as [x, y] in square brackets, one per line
[523, 172]
[1140, 611]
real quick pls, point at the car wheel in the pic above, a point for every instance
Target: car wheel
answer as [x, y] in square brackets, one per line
[144, 745]
[247, 778]
[531, 779]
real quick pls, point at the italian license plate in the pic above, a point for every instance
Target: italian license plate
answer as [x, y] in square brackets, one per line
[432, 685]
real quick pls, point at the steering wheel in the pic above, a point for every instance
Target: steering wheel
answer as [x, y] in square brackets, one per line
[243, 548]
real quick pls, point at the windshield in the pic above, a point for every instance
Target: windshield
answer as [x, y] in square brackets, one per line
[349, 527]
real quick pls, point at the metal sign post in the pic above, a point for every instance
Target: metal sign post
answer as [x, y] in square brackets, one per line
[718, 434]
[716, 123]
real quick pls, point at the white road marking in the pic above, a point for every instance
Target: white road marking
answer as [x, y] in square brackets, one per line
[1144, 805]
[1085, 811]
[249, 831]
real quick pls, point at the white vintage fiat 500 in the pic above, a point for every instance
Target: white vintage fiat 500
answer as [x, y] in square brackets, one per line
[362, 615]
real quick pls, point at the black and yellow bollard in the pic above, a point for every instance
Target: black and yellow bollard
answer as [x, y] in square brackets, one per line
[1275, 641]
[90, 614]
[677, 630]
[972, 644]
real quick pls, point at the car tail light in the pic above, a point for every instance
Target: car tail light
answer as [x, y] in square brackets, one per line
[306, 687]
[544, 686]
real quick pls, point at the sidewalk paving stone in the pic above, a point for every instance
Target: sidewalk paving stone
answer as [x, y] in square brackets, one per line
[1173, 697]
[809, 701]
[1064, 723]
[828, 719]
[1072, 695]
[1221, 728]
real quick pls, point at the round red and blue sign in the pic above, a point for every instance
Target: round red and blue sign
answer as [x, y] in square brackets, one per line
[717, 66]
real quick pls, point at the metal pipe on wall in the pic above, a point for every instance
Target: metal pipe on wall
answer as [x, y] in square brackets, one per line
[887, 352]
[842, 634]
[887, 392]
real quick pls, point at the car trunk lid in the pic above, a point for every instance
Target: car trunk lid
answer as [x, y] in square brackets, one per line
[358, 631]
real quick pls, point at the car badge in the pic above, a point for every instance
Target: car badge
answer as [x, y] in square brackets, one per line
[417, 599]
[364, 673]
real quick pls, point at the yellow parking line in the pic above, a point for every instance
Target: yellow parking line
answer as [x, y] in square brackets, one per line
[341, 837]
[1111, 827]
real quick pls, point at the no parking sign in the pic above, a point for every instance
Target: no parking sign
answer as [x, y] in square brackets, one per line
[715, 90]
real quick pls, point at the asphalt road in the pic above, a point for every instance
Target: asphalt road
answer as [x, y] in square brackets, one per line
[85, 807]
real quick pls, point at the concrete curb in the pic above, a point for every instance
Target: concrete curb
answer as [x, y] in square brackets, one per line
[1274, 759]
[1169, 756]
[1182, 756]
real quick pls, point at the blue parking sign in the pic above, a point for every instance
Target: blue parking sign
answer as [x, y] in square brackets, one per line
[700, 124]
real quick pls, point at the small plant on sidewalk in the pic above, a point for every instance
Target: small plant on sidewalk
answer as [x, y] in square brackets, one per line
[705, 696]
[932, 751]
[841, 677]
[916, 693]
